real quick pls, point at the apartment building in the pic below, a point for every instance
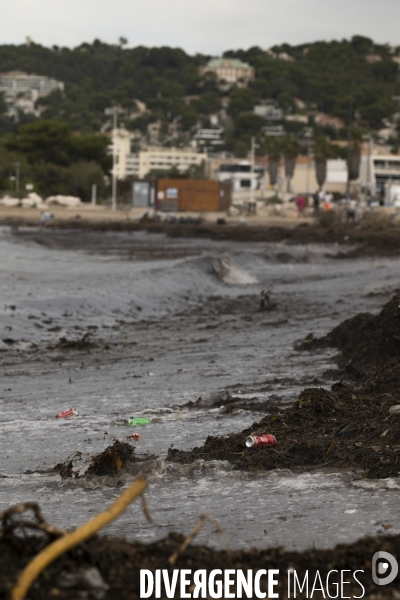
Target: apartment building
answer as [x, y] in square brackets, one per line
[378, 172]
[139, 164]
[21, 90]
[17, 82]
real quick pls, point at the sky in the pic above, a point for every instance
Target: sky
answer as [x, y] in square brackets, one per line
[206, 26]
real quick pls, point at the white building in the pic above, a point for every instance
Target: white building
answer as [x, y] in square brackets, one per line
[17, 82]
[336, 171]
[21, 90]
[139, 164]
[378, 172]
[229, 71]
[208, 138]
[269, 111]
[240, 175]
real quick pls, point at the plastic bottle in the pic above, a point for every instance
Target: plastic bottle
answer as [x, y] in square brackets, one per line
[137, 421]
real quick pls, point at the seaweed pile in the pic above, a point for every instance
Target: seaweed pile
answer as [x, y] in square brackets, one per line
[117, 563]
[345, 427]
[114, 458]
[368, 344]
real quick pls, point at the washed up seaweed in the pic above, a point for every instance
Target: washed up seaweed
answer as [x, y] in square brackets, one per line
[109, 462]
[340, 428]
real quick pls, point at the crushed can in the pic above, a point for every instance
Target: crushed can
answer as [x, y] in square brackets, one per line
[70, 412]
[134, 436]
[260, 440]
[132, 421]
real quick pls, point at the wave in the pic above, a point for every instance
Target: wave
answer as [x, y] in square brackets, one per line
[226, 271]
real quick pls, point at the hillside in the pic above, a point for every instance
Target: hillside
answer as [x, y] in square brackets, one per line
[326, 75]
[315, 89]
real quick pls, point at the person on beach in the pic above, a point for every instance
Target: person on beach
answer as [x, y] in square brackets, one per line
[316, 203]
[328, 201]
[351, 209]
[300, 205]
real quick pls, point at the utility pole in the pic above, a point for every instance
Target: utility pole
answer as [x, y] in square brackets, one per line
[369, 182]
[252, 157]
[94, 194]
[17, 174]
[350, 125]
[114, 167]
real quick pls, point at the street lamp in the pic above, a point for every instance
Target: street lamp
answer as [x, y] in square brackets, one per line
[17, 173]
[114, 167]
[252, 159]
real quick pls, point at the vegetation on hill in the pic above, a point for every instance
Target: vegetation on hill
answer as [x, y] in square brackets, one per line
[355, 80]
[327, 75]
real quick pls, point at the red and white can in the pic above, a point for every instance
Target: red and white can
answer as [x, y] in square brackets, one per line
[70, 412]
[134, 436]
[260, 440]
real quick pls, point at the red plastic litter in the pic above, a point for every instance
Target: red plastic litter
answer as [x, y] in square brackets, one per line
[70, 412]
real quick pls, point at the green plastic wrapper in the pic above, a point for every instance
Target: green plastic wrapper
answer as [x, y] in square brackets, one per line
[137, 421]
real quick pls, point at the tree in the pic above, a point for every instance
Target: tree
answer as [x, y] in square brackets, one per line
[208, 103]
[189, 116]
[274, 150]
[8, 167]
[51, 179]
[75, 180]
[54, 143]
[354, 155]
[42, 141]
[7, 124]
[240, 149]
[91, 147]
[241, 100]
[3, 105]
[322, 152]
[361, 44]
[248, 124]
[82, 175]
[291, 149]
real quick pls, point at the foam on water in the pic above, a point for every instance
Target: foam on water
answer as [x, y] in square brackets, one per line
[266, 509]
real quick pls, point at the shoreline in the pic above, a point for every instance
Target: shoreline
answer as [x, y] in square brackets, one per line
[351, 240]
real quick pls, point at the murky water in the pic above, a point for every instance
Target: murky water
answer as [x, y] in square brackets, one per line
[168, 331]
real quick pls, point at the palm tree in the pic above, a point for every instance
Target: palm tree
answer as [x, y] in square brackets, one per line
[274, 150]
[354, 155]
[291, 148]
[322, 151]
